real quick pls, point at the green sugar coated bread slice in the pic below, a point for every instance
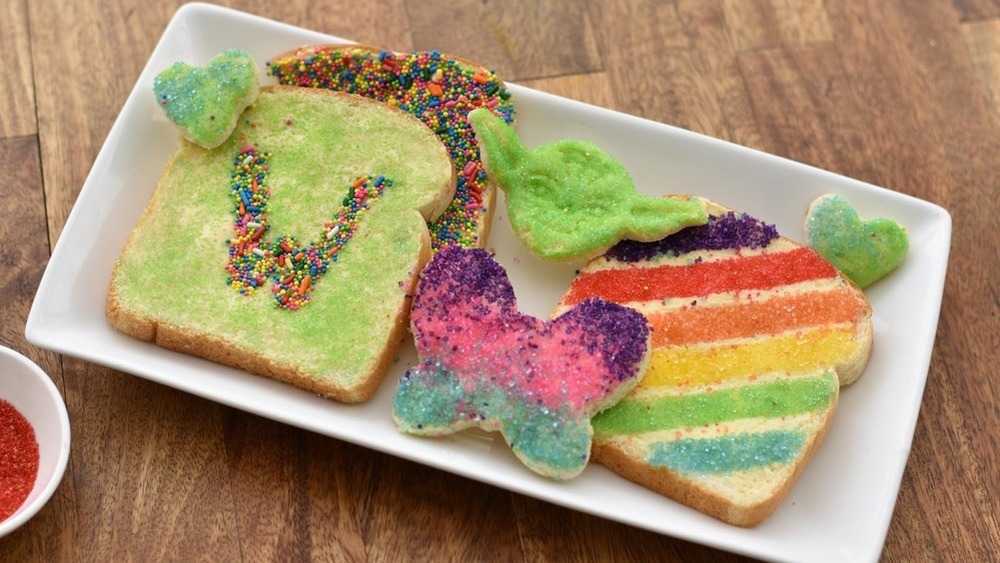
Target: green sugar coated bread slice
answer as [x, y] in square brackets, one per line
[171, 286]
[752, 337]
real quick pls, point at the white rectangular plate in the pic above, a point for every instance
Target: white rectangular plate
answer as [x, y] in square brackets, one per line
[838, 511]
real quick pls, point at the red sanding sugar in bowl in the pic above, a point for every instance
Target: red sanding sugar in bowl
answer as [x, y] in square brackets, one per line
[18, 459]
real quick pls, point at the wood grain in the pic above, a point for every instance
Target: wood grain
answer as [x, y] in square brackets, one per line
[759, 24]
[157, 452]
[17, 94]
[520, 40]
[23, 236]
[900, 94]
[92, 48]
[552, 533]
[934, 138]
[983, 40]
[381, 23]
[977, 9]
[675, 65]
[448, 518]
[805, 105]
[24, 251]
[594, 88]
[315, 482]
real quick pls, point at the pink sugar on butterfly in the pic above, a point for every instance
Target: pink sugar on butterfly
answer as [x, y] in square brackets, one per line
[486, 364]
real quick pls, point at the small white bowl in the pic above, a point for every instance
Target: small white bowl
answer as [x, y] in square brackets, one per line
[25, 386]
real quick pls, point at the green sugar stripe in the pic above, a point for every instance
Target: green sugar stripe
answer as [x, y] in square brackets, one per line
[740, 452]
[770, 399]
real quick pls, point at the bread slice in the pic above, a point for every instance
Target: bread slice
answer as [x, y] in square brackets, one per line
[753, 335]
[171, 286]
[438, 89]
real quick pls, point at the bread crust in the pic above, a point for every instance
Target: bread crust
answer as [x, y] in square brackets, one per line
[694, 494]
[222, 351]
[849, 371]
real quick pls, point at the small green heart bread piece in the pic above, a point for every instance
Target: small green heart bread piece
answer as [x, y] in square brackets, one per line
[864, 250]
[205, 102]
[171, 286]
[569, 200]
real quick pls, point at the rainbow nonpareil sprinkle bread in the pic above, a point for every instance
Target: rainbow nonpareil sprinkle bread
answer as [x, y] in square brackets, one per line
[438, 89]
[753, 335]
[205, 102]
[569, 200]
[483, 363]
[290, 250]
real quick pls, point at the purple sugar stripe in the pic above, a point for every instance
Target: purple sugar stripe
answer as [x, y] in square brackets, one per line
[722, 232]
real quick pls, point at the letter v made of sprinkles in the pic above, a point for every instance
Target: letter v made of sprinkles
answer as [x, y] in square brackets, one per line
[293, 267]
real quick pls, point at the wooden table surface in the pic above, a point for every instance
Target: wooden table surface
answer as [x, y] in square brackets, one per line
[899, 94]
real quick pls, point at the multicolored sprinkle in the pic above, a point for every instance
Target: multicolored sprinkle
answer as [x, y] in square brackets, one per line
[484, 363]
[438, 89]
[294, 268]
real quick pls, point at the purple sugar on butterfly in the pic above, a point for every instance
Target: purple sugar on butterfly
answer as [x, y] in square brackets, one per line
[486, 364]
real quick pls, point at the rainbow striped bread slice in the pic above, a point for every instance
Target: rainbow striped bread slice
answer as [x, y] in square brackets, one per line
[753, 335]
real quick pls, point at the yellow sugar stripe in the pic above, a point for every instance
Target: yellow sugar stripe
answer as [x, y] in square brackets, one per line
[792, 352]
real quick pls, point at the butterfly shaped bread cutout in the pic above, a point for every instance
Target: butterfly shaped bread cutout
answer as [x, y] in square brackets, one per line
[485, 364]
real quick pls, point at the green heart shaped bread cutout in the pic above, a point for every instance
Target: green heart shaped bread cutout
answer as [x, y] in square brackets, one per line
[205, 102]
[864, 250]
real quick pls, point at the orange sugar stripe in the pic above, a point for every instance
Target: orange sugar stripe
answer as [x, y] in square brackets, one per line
[759, 271]
[795, 353]
[692, 324]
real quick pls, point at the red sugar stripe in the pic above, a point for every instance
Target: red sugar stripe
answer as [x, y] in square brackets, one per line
[758, 271]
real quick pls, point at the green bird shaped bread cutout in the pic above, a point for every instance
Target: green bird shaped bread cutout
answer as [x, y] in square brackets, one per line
[569, 200]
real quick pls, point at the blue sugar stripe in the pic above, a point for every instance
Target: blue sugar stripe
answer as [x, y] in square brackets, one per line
[726, 454]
